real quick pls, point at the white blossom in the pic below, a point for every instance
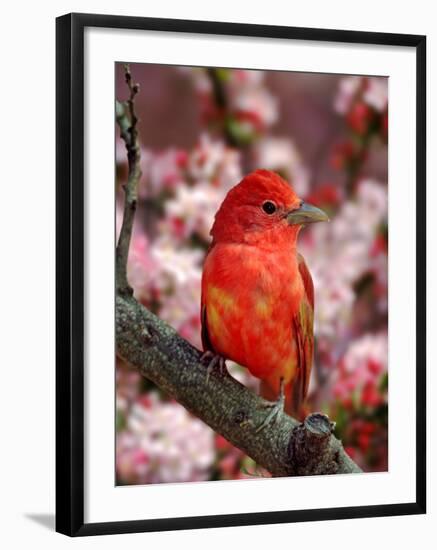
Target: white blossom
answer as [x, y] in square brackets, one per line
[281, 155]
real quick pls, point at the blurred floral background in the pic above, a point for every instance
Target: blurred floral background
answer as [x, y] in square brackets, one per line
[201, 130]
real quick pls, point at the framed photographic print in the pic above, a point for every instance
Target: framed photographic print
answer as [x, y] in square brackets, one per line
[240, 274]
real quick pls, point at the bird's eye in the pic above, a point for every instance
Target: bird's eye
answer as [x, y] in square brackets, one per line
[269, 207]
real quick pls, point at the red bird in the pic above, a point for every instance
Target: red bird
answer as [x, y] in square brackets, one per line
[257, 292]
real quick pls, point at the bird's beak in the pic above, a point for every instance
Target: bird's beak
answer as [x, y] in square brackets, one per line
[306, 213]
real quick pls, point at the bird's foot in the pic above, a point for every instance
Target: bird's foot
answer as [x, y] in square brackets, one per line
[277, 408]
[214, 362]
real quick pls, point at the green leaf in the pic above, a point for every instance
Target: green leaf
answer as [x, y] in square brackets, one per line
[120, 421]
[383, 384]
[241, 134]
[223, 74]
[340, 419]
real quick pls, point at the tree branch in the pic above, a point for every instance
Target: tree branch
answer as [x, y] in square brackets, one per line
[229, 408]
[127, 121]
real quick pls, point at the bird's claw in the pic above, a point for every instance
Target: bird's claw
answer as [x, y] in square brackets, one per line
[214, 362]
[277, 408]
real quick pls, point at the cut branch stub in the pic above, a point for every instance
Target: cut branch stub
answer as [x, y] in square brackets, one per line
[311, 448]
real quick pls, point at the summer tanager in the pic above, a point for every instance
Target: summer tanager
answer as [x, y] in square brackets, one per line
[257, 292]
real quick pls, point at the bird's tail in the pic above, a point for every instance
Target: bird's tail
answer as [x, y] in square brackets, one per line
[294, 396]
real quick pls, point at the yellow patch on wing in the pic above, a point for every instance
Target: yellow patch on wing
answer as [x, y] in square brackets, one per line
[220, 305]
[214, 318]
[218, 329]
[263, 307]
[221, 298]
[296, 288]
[289, 369]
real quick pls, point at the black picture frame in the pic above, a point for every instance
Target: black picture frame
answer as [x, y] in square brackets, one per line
[70, 273]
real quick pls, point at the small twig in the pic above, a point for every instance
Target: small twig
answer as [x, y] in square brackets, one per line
[127, 121]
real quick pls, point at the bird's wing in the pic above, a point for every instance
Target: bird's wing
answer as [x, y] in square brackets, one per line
[206, 341]
[296, 390]
[303, 331]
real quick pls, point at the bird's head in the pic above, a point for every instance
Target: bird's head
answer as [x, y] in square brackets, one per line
[263, 208]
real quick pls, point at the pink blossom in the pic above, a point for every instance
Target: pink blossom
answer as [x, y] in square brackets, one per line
[157, 269]
[247, 95]
[360, 117]
[243, 78]
[338, 253]
[142, 268]
[361, 367]
[181, 310]
[327, 195]
[247, 98]
[176, 266]
[162, 171]
[372, 198]
[257, 106]
[191, 211]
[163, 443]
[371, 89]
[212, 161]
